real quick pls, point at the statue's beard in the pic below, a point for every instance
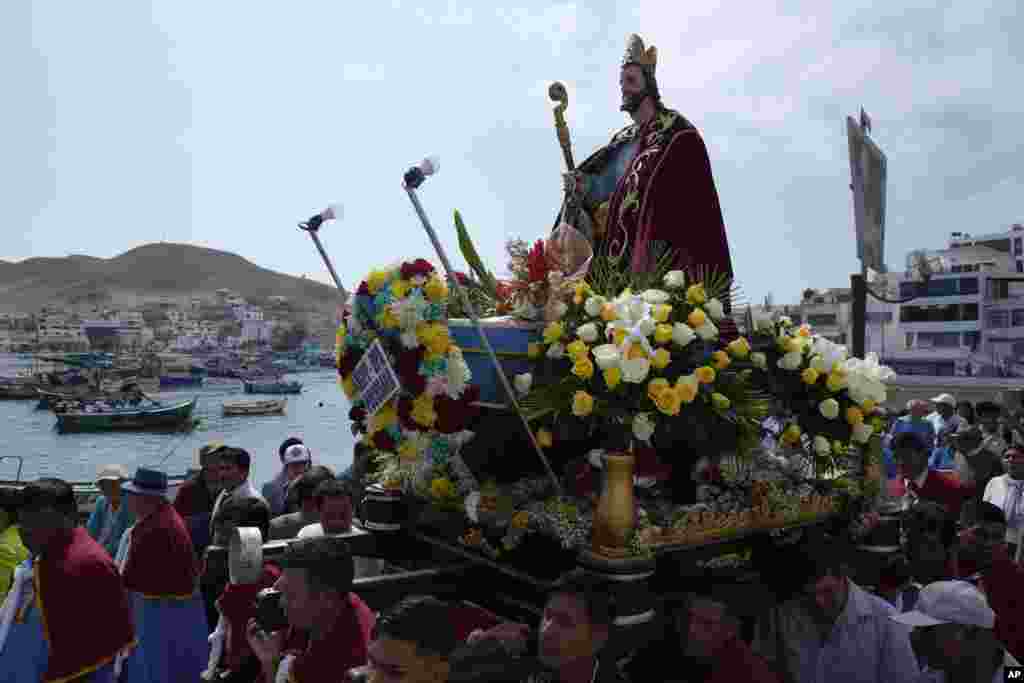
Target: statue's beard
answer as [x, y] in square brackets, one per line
[631, 101]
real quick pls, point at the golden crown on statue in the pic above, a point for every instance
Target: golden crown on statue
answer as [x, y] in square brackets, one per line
[636, 54]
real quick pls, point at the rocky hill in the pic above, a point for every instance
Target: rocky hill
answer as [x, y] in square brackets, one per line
[176, 271]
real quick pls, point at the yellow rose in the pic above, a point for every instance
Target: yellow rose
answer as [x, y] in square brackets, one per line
[399, 288]
[687, 390]
[612, 377]
[791, 435]
[580, 292]
[553, 332]
[662, 312]
[721, 359]
[868, 406]
[348, 387]
[544, 438]
[636, 351]
[582, 404]
[835, 382]
[533, 350]
[618, 336]
[720, 401]
[695, 294]
[583, 368]
[739, 347]
[608, 313]
[576, 349]
[663, 334]
[407, 452]
[705, 374]
[442, 488]
[668, 402]
[696, 318]
[793, 345]
[854, 416]
[521, 519]
[376, 279]
[385, 417]
[423, 412]
[436, 289]
[661, 359]
[809, 376]
[439, 341]
[388, 319]
[656, 387]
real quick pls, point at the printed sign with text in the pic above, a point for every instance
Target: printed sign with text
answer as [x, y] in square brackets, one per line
[374, 379]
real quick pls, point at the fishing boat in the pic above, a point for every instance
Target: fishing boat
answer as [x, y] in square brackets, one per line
[257, 407]
[273, 387]
[157, 416]
[181, 379]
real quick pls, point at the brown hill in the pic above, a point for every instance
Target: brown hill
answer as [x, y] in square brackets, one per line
[177, 271]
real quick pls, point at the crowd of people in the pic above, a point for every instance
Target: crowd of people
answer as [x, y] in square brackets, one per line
[946, 607]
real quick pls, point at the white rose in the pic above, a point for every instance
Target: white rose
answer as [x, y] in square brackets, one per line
[409, 339]
[655, 296]
[682, 334]
[587, 332]
[675, 279]
[643, 427]
[819, 364]
[829, 408]
[862, 432]
[785, 320]
[523, 383]
[635, 371]
[791, 361]
[594, 305]
[556, 351]
[715, 309]
[607, 356]
[647, 327]
[560, 309]
[763, 322]
[759, 360]
[822, 446]
[707, 331]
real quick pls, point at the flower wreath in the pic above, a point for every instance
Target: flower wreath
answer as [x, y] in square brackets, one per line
[405, 307]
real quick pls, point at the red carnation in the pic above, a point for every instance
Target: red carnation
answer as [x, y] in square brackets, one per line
[536, 263]
[363, 289]
[383, 441]
[408, 371]
[347, 363]
[357, 414]
[451, 415]
[405, 414]
[462, 278]
[417, 267]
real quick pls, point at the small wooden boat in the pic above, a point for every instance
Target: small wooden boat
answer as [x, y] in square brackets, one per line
[14, 390]
[157, 416]
[257, 407]
[181, 380]
[273, 387]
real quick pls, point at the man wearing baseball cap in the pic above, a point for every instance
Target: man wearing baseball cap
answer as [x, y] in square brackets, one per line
[953, 634]
[294, 463]
[946, 423]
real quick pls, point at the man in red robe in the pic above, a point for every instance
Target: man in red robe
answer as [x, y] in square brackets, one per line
[48, 631]
[652, 183]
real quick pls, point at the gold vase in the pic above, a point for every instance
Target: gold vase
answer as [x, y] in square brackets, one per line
[615, 516]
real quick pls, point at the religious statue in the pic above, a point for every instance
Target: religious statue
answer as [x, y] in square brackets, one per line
[652, 183]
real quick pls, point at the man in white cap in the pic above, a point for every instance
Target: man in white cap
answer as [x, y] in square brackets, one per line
[946, 422]
[275, 491]
[953, 634]
[110, 518]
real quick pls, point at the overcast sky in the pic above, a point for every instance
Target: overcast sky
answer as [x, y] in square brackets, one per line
[223, 123]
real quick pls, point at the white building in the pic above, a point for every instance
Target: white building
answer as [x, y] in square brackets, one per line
[256, 331]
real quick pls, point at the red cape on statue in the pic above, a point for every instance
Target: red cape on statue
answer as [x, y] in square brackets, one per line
[161, 562]
[77, 581]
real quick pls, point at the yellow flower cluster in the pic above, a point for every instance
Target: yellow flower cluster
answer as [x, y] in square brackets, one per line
[434, 337]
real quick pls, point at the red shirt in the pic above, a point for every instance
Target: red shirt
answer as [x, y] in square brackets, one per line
[75, 577]
[343, 648]
[238, 605]
[193, 498]
[161, 562]
[1003, 584]
[945, 490]
[736, 662]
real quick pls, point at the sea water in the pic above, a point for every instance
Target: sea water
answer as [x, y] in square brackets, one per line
[319, 416]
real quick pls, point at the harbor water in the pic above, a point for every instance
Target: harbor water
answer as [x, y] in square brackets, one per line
[319, 416]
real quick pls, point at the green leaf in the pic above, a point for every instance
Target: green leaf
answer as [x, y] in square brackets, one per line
[469, 252]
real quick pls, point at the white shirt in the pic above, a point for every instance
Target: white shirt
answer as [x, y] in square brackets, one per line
[1000, 492]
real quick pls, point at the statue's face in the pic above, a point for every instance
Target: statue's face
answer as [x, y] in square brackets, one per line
[633, 85]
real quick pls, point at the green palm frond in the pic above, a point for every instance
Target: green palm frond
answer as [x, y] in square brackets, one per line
[546, 399]
[469, 252]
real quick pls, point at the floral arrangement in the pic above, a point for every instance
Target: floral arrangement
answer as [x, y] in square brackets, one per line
[832, 399]
[425, 423]
[644, 361]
